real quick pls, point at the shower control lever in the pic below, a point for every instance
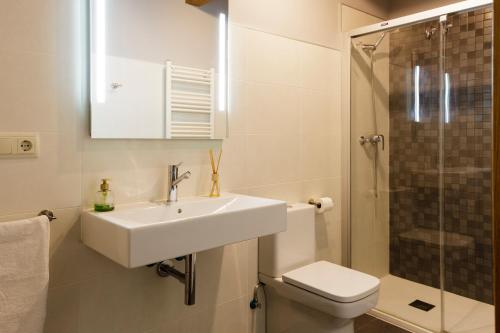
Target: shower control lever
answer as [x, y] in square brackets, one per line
[373, 139]
[378, 138]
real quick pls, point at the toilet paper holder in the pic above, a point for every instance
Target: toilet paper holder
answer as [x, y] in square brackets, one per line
[315, 202]
[321, 205]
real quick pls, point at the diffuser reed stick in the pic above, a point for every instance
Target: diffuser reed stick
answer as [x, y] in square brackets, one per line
[215, 192]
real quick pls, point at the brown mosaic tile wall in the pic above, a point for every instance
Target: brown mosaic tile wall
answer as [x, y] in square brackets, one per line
[414, 156]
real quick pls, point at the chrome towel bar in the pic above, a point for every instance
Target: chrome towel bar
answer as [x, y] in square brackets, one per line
[47, 213]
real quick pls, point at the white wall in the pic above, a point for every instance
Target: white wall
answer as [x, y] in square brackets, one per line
[406, 7]
[353, 18]
[377, 8]
[284, 143]
[311, 21]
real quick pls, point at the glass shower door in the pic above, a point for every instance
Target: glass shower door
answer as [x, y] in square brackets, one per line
[395, 193]
[420, 196]
[466, 172]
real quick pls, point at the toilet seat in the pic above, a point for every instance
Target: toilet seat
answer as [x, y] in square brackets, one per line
[315, 301]
[334, 282]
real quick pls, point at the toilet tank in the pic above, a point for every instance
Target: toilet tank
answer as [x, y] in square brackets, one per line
[293, 248]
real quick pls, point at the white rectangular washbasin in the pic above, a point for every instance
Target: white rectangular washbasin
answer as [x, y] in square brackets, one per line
[144, 233]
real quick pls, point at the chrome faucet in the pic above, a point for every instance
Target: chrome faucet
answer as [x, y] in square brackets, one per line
[174, 179]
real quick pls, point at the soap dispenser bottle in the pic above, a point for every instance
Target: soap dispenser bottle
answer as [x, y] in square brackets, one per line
[104, 201]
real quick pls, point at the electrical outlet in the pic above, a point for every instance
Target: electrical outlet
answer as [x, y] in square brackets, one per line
[26, 145]
[18, 145]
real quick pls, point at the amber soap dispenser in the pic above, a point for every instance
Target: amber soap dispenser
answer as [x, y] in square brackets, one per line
[104, 201]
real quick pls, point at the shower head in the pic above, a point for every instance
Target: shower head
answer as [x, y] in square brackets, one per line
[429, 32]
[373, 47]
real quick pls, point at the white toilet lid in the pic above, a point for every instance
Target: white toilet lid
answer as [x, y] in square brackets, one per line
[332, 281]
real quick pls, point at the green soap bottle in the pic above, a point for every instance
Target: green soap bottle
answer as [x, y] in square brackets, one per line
[104, 201]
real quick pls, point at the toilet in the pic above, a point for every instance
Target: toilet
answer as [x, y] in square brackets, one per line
[304, 295]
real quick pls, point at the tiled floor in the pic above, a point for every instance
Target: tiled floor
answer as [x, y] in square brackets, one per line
[369, 324]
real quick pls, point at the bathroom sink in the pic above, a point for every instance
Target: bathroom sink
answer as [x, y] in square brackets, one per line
[144, 233]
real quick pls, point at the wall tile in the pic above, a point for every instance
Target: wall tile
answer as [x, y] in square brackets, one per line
[97, 304]
[377, 8]
[315, 160]
[32, 75]
[138, 169]
[415, 221]
[28, 26]
[318, 113]
[234, 163]
[50, 181]
[273, 107]
[238, 107]
[253, 265]
[268, 16]
[272, 59]
[353, 18]
[289, 192]
[73, 262]
[62, 309]
[315, 22]
[237, 51]
[320, 22]
[230, 317]
[272, 159]
[319, 68]
[234, 273]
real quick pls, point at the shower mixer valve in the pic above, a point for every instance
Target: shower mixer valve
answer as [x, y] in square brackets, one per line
[373, 139]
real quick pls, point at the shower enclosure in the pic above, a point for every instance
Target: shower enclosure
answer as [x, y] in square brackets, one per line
[420, 166]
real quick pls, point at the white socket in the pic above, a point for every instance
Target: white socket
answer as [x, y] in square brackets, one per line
[18, 145]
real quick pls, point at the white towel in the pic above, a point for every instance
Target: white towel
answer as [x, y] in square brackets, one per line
[24, 275]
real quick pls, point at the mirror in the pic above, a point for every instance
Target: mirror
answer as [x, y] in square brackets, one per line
[158, 69]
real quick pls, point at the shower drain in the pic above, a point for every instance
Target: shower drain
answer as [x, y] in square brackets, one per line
[421, 305]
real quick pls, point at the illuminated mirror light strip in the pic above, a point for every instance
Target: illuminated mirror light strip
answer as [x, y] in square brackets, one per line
[100, 50]
[222, 63]
[446, 98]
[417, 94]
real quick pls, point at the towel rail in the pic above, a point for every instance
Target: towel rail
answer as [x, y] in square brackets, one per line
[190, 98]
[48, 213]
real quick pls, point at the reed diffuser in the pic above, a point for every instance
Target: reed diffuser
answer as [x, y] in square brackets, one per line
[215, 192]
